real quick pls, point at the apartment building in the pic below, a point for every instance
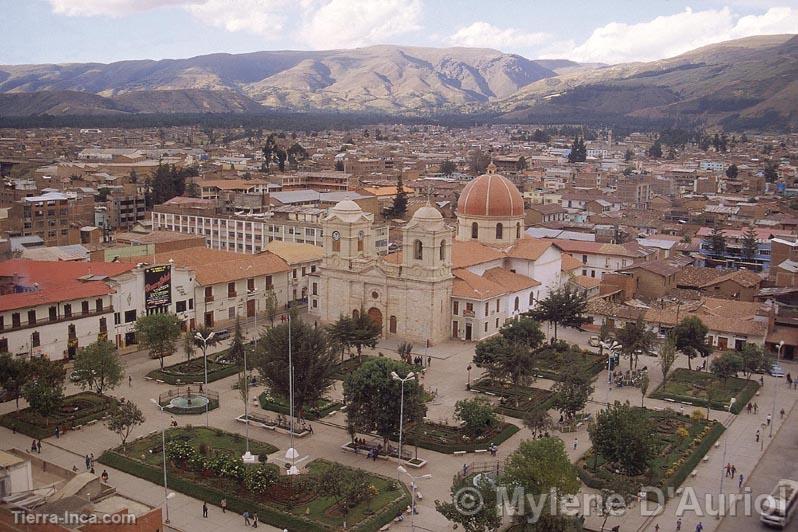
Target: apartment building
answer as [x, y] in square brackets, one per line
[55, 217]
[322, 181]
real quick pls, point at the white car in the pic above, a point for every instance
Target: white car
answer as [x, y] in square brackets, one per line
[594, 341]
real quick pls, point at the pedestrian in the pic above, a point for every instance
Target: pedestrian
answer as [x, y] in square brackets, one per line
[255, 520]
[204, 509]
[223, 504]
[789, 380]
[374, 455]
[33, 446]
[74, 468]
[246, 518]
[92, 459]
[92, 470]
[681, 410]
[740, 482]
[58, 431]
[104, 476]
[679, 524]
[465, 470]
[576, 442]
[768, 420]
[728, 469]
[699, 527]
[129, 381]
[88, 462]
[761, 380]
[757, 435]
[749, 407]
[39, 446]
[733, 471]
[656, 527]
[756, 408]
[429, 361]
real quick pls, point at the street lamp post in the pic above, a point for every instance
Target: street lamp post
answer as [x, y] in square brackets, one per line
[291, 453]
[413, 480]
[468, 370]
[409, 377]
[205, 341]
[773, 413]
[166, 494]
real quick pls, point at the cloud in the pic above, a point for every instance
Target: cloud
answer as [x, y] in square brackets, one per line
[110, 8]
[266, 18]
[353, 23]
[670, 35]
[485, 35]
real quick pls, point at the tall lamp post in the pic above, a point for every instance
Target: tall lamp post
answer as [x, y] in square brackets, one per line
[291, 453]
[248, 457]
[413, 480]
[409, 377]
[205, 341]
[166, 494]
[773, 413]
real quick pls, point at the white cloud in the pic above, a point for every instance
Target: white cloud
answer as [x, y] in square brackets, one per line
[353, 23]
[262, 17]
[670, 35]
[485, 35]
[111, 8]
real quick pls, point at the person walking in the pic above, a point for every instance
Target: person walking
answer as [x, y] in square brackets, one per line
[104, 476]
[728, 469]
[129, 381]
[39, 446]
[204, 509]
[740, 482]
[781, 413]
[749, 407]
[255, 520]
[699, 527]
[733, 471]
[223, 504]
[756, 408]
[88, 462]
[757, 435]
[429, 361]
[768, 420]
[58, 431]
[576, 442]
[33, 446]
[679, 524]
[246, 518]
[91, 455]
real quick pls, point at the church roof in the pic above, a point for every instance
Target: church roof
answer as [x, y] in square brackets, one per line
[490, 195]
[469, 285]
[470, 252]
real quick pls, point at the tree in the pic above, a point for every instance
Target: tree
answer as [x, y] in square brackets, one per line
[313, 362]
[44, 389]
[749, 244]
[157, 333]
[345, 486]
[541, 468]
[623, 435]
[97, 366]
[235, 353]
[771, 172]
[752, 358]
[505, 360]
[578, 153]
[123, 419]
[190, 344]
[655, 151]
[486, 518]
[717, 242]
[726, 365]
[606, 335]
[732, 171]
[644, 382]
[524, 331]
[478, 162]
[521, 165]
[14, 373]
[538, 421]
[447, 167]
[364, 332]
[477, 415]
[270, 305]
[372, 396]
[667, 356]
[193, 190]
[635, 338]
[399, 207]
[563, 306]
[572, 392]
[690, 338]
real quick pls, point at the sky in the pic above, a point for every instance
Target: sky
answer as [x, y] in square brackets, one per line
[604, 31]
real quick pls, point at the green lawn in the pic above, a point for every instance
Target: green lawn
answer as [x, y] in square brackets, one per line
[693, 387]
[193, 370]
[448, 439]
[281, 406]
[550, 361]
[293, 503]
[515, 401]
[77, 409]
[674, 457]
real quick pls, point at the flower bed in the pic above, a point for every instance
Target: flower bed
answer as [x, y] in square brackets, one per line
[515, 401]
[674, 457]
[450, 439]
[279, 405]
[283, 502]
[193, 371]
[76, 410]
[689, 386]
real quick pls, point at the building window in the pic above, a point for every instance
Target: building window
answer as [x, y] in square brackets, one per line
[497, 323]
[336, 245]
[35, 339]
[117, 318]
[443, 251]
[251, 284]
[456, 308]
[593, 273]
[180, 306]
[392, 324]
[304, 271]
[497, 305]
[486, 326]
[32, 317]
[98, 305]
[315, 289]
[130, 316]
[208, 293]
[191, 303]
[418, 250]
[231, 313]
[313, 269]
[355, 314]
[84, 307]
[103, 325]
[518, 230]
[231, 290]
[15, 320]
[293, 273]
[315, 304]
[475, 230]
[499, 231]
[53, 311]
[269, 282]
[531, 298]
[584, 259]
[3, 345]
[360, 244]
[487, 309]
[516, 304]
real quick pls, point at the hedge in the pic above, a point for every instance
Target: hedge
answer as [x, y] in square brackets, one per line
[310, 414]
[698, 453]
[12, 421]
[266, 514]
[190, 378]
[741, 399]
[449, 448]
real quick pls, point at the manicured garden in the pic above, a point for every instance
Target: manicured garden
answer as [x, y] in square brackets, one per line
[76, 410]
[205, 464]
[549, 361]
[695, 387]
[277, 404]
[680, 442]
[193, 371]
[449, 439]
[515, 401]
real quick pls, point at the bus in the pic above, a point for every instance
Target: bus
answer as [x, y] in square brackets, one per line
[778, 507]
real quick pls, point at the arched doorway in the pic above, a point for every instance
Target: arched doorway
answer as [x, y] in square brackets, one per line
[375, 315]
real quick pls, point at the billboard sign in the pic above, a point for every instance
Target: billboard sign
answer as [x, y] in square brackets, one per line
[157, 286]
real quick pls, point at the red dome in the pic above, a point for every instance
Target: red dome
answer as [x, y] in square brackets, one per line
[491, 195]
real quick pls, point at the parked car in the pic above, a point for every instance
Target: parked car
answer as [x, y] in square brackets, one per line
[594, 341]
[776, 370]
[221, 334]
[76, 376]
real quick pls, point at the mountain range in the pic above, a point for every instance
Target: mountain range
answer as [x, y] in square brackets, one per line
[742, 83]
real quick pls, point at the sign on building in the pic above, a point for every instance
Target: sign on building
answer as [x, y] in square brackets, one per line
[157, 286]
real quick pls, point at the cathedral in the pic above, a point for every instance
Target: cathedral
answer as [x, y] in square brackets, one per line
[444, 283]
